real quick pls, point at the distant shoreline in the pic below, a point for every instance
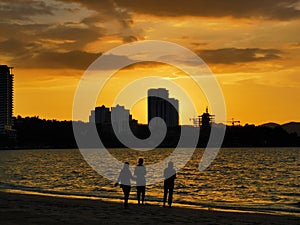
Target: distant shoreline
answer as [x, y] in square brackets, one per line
[44, 134]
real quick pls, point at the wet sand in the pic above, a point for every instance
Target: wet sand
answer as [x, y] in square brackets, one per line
[32, 209]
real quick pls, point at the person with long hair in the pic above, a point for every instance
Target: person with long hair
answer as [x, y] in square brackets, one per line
[124, 179]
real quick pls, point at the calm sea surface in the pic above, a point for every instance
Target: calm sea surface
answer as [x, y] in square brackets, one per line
[247, 179]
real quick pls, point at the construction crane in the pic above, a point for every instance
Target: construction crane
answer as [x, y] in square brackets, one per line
[196, 121]
[233, 122]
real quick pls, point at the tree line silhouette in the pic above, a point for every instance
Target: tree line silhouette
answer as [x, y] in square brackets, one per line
[33, 132]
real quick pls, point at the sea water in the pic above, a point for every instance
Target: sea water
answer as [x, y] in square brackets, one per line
[246, 179]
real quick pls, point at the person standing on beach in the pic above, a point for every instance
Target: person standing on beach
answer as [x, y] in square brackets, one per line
[169, 176]
[124, 179]
[140, 173]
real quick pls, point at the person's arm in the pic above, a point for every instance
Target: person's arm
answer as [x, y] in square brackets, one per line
[174, 176]
[118, 180]
[132, 177]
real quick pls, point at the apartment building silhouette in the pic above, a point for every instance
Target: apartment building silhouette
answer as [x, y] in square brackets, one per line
[6, 98]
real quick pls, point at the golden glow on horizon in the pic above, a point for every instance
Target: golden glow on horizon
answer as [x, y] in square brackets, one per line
[38, 92]
[175, 83]
[244, 98]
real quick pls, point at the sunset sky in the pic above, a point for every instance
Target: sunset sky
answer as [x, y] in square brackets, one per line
[252, 47]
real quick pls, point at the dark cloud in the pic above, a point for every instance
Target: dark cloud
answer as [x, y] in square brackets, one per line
[78, 35]
[27, 32]
[73, 59]
[55, 60]
[24, 37]
[109, 10]
[114, 62]
[143, 65]
[267, 9]
[32, 43]
[23, 9]
[236, 55]
[19, 40]
[129, 38]
[81, 33]
[12, 47]
[103, 5]
[67, 32]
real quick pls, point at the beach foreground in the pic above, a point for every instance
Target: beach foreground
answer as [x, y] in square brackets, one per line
[34, 209]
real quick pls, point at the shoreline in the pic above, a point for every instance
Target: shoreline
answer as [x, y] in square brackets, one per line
[119, 199]
[40, 209]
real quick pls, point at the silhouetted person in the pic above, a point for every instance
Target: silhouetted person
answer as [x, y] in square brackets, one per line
[139, 173]
[169, 176]
[124, 179]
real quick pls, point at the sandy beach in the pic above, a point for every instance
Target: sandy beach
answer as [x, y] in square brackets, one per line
[32, 209]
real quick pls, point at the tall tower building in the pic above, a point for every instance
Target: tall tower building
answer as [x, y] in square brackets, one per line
[6, 98]
[102, 115]
[160, 105]
[172, 112]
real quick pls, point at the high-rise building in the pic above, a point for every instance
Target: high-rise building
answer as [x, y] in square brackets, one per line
[120, 118]
[172, 112]
[117, 116]
[6, 98]
[160, 105]
[101, 115]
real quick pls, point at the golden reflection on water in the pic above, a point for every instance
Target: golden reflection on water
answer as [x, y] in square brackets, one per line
[261, 177]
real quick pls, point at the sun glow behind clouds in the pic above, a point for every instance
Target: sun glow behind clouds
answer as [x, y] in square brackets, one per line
[252, 47]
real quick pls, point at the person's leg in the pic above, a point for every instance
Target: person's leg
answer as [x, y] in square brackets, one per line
[143, 193]
[170, 199]
[138, 193]
[165, 194]
[126, 191]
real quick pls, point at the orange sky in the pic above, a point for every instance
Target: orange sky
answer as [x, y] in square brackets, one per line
[252, 47]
